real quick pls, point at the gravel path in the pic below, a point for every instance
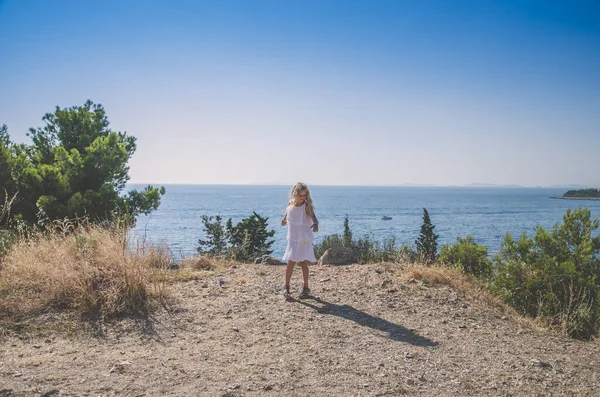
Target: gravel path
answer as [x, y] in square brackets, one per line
[370, 333]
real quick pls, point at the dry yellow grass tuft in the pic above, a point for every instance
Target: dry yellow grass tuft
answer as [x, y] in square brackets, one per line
[201, 263]
[87, 272]
[196, 268]
[455, 279]
[438, 275]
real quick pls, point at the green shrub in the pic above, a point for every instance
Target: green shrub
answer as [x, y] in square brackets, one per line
[6, 241]
[468, 256]
[244, 242]
[6, 237]
[249, 239]
[427, 242]
[369, 250]
[329, 241]
[407, 253]
[216, 243]
[347, 236]
[554, 274]
[366, 248]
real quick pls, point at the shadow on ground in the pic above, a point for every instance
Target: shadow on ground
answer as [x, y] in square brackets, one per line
[395, 332]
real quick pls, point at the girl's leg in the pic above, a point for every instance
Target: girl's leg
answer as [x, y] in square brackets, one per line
[305, 273]
[288, 273]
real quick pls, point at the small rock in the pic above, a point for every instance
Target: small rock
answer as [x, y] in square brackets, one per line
[337, 256]
[36, 346]
[236, 329]
[462, 326]
[504, 318]
[268, 388]
[539, 363]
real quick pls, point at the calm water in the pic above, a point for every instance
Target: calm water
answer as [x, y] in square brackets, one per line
[485, 213]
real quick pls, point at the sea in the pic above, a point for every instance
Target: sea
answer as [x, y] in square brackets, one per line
[486, 213]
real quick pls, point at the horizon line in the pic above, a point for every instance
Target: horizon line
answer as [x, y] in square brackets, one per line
[471, 185]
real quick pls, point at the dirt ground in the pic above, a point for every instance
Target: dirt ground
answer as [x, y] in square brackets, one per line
[372, 332]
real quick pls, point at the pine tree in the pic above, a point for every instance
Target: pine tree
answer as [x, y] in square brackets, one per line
[76, 167]
[250, 238]
[244, 242]
[216, 243]
[347, 237]
[427, 241]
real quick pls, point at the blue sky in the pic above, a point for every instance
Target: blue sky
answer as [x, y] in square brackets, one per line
[328, 92]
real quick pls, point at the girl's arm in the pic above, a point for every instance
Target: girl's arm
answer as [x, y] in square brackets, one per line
[315, 226]
[284, 220]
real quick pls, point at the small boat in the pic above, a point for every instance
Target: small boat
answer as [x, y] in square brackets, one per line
[386, 218]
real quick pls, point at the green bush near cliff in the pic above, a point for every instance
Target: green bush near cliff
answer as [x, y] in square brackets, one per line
[468, 256]
[555, 274]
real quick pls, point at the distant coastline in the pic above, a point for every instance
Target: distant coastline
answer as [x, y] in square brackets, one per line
[575, 198]
[582, 194]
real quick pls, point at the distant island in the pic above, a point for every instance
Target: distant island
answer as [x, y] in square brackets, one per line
[581, 194]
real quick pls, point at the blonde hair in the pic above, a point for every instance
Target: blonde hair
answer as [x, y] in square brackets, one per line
[295, 192]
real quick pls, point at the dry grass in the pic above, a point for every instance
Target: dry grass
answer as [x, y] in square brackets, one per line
[86, 273]
[195, 268]
[201, 263]
[439, 275]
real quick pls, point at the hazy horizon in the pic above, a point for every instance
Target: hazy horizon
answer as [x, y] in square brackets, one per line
[471, 185]
[359, 93]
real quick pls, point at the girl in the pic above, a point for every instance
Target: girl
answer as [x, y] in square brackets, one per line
[302, 222]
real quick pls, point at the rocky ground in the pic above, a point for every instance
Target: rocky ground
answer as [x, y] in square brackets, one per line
[372, 332]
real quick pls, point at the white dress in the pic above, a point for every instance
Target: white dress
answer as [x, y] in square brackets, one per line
[299, 236]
